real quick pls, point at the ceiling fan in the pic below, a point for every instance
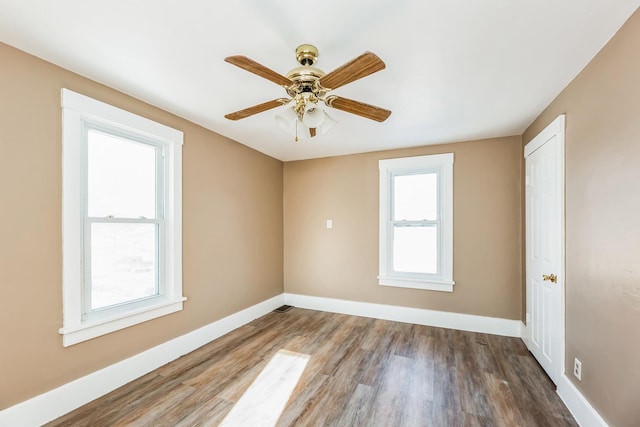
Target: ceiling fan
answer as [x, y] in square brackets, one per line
[307, 86]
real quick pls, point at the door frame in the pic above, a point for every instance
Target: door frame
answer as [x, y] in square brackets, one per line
[555, 128]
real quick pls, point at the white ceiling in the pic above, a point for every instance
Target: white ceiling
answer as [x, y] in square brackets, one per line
[456, 69]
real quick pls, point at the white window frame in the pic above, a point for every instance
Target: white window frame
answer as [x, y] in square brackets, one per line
[442, 164]
[80, 113]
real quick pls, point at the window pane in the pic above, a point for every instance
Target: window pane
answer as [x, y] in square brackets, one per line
[123, 263]
[121, 177]
[415, 197]
[415, 249]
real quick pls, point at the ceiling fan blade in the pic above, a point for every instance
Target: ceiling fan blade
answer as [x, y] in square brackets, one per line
[360, 108]
[258, 69]
[257, 109]
[312, 132]
[362, 66]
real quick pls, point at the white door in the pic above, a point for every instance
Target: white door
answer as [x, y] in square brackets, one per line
[544, 192]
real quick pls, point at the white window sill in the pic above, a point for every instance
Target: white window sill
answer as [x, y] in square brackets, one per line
[429, 285]
[87, 330]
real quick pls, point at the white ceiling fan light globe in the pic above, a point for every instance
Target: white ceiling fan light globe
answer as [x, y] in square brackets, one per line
[313, 115]
[327, 124]
[287, 120]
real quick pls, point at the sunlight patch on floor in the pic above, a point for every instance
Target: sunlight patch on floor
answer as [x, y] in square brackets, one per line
[263, 402]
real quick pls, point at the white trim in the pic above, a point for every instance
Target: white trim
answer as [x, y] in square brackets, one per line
[419, 316]
[556, 127]
[77, 112]
[91, 329]
[442, 164]
[110, 115]
[55, 403]
[578, 405]
[523, 333]
[431, 285]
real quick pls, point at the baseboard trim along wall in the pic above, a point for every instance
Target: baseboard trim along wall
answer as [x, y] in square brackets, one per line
[55, 403]
[420, 316]
[523, 333]
[580, 408]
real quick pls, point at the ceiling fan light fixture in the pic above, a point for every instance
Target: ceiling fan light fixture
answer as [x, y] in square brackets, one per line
[327, 124]
[314, 115]
[287, 120]
[315, 120]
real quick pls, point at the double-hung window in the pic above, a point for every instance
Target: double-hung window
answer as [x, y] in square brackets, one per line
[416, 222]
[121, 219]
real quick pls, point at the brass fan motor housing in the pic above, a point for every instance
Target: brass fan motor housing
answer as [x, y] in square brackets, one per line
[305, 74]
[305, 77]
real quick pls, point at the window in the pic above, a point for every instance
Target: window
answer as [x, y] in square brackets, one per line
[122, 238]
[416, 222]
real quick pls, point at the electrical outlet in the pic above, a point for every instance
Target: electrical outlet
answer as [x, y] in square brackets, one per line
[577, 369]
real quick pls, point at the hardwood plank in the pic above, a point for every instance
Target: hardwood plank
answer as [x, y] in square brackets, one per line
[162, 411]
[233, 390]
[357, 408]
[469, 377]
[303, 400]
[388, 402]
[209, 413]
[443, 346]
[447, 396]
[449, 417]
[504, 409]
[201, 355]
[376, 332]
[265, 399]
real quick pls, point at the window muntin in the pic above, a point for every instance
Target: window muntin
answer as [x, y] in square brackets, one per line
[416, 215]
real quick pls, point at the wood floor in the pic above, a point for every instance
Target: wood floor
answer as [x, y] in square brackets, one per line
[362, 372]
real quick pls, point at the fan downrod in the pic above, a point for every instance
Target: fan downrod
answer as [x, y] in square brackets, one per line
[306, 54]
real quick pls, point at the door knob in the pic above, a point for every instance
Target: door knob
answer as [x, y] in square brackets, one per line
[552, 277]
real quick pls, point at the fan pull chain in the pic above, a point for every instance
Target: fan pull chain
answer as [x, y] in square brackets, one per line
[296, 131]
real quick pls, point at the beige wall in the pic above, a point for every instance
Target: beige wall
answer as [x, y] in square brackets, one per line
[232, 231]
[343, 262]
[602, 107]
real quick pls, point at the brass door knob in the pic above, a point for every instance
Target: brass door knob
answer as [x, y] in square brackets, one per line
[552, 277]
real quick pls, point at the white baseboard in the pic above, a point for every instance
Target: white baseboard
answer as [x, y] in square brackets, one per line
[580, 408]
[524, 334]
[443, 319]
[55, 403]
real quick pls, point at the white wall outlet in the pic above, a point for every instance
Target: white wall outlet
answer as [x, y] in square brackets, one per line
[577, 368]
[329, 224]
